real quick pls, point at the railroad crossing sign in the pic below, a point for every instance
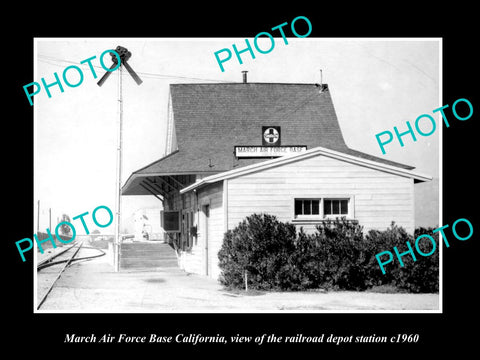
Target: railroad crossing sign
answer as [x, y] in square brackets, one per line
[124, 56]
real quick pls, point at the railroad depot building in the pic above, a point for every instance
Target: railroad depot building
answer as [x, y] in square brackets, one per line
[241, 148]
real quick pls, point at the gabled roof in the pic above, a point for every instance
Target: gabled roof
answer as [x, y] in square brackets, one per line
[417, 177]
[209, 119]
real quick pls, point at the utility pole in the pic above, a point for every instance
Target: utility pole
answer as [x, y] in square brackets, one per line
[118, 194]
[121, 55]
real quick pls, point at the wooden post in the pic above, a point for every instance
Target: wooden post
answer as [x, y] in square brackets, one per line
[246, 280]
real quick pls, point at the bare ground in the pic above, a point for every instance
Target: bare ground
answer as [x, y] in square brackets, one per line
[93, 286]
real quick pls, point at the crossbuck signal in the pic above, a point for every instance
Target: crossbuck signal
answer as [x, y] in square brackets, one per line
[124, 56]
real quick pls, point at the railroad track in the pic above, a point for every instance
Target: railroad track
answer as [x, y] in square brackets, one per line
[57, 264]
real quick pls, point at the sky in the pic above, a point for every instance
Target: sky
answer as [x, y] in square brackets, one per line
[375, 84]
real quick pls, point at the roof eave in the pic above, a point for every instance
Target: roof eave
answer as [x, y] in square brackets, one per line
[309, 153]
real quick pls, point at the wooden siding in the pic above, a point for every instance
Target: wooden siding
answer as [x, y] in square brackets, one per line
[213, 196]
[378, 197]
[195, 260]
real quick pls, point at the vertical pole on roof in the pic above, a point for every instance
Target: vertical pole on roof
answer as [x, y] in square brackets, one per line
[118, 197]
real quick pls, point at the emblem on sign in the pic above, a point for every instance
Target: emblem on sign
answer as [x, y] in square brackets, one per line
[271, 135]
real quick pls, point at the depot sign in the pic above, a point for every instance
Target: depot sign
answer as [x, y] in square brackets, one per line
[267, 151]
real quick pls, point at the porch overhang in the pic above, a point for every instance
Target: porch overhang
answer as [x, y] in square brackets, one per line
[156, 184]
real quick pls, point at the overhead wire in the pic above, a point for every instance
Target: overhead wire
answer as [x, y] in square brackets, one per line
[54, 61]
[57, 62]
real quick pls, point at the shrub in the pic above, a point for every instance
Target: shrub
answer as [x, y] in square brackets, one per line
[337, 255]
[306, 263]
[260, 245]
[415, 276]
[423, 276]
[343, 253]
[332, 257]
[379, 241]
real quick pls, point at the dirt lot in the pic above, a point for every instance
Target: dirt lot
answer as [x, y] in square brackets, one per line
[93, 286]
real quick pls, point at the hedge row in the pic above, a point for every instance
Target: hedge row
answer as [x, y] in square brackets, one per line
[337, 255]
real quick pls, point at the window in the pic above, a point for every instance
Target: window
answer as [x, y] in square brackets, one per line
[313, 209]
[170, 221]
[307, 207]
[335, 206]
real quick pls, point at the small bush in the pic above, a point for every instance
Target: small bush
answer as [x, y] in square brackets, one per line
[423, 275]
[343, 253]
[417, 276]
[379, 241]
[260, 245]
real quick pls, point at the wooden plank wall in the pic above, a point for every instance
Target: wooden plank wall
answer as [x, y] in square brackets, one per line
[194, 260]
[213, 195]
[379, 197]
